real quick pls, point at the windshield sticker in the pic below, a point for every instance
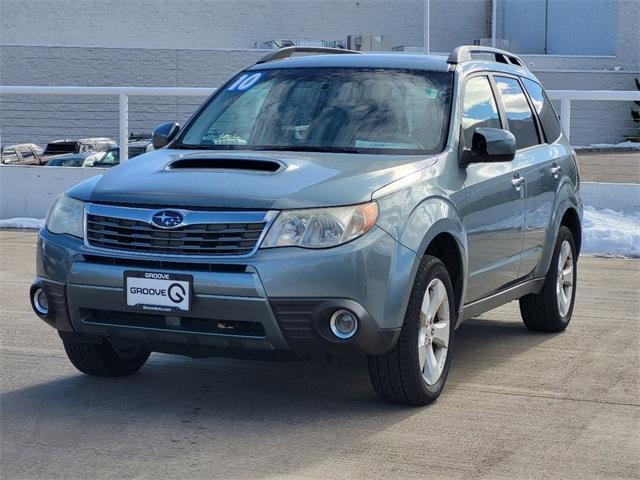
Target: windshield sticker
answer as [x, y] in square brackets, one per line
[245, 82]
[431, 93]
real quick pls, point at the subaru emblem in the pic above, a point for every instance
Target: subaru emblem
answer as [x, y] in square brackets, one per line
[167, 219]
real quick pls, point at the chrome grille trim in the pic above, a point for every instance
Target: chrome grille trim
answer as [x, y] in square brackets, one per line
[202, 234]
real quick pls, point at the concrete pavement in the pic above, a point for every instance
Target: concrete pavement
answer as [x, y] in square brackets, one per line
[517, 404]
[609, 167]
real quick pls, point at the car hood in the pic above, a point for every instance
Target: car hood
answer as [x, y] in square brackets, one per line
[247, 180]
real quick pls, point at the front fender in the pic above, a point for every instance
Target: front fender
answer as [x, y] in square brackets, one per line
[433, 216]
[430, 218]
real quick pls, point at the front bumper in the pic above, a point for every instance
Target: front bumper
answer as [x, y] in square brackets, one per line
[276, 300]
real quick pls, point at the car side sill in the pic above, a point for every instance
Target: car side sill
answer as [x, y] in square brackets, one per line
[513, 293]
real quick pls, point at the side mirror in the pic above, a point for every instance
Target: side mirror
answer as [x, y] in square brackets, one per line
[163, 134]
[490, 145]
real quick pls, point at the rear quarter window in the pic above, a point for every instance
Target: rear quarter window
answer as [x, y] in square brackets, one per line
[546, 114]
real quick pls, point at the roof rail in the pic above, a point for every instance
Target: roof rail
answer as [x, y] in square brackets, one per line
[463, 54]
[287, 52]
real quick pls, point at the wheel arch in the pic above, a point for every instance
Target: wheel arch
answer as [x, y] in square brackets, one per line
[445, 248]
[567, 211]
[571, 220]
[435, 228]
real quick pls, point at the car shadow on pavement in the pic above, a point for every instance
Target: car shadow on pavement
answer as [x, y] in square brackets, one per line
[242, 407]
[485, 344]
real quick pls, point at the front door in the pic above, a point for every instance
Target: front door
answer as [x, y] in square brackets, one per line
[493, 213]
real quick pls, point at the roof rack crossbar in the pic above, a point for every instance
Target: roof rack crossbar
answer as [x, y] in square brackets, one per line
[287, 52]
[463, 54]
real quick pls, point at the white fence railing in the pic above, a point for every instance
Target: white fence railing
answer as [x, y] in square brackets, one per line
[566, 96]
[123, 93]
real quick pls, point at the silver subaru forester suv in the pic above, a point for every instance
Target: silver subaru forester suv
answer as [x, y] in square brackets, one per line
[324, 202]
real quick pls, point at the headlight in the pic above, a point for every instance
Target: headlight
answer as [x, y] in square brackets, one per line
[66, 216]
[321, 227]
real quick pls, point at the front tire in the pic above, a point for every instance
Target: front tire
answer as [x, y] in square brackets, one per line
[551, 309]
[415, 370]
[103, 360]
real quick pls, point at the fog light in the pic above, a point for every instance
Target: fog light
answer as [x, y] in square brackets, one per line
[40, 302]
[343, 324]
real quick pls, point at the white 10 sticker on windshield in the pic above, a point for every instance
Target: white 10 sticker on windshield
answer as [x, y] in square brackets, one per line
[245, 82]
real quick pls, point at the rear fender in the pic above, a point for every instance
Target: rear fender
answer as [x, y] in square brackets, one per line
[566, 198]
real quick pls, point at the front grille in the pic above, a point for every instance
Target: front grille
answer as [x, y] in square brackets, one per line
[193, 239]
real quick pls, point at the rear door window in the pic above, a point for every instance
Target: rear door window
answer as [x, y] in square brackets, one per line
[519, 115]
[479, 107]
[545, 111]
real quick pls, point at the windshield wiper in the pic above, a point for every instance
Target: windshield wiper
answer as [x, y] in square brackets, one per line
[276, 148]
[306, 148]
[182, 146]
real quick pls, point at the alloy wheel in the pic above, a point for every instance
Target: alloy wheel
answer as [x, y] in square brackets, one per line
[433, 336]
[564, 284]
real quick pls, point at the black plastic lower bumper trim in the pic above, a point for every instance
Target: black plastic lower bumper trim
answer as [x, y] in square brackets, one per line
[304, 323]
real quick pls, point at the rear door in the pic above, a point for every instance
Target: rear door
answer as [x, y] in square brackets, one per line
[537, 159]
[493, 214]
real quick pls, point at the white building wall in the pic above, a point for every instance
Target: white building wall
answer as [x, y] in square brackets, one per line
[214, 24]
[203, 24]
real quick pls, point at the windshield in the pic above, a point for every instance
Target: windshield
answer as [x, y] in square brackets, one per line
[351, 110]
[112, 157]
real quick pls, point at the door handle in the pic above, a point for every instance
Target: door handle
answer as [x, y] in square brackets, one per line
[555, 170]
[517, 181]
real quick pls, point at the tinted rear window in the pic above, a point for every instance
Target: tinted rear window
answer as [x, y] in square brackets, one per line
[543, 106]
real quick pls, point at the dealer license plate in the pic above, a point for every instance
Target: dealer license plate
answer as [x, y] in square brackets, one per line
[158, 292]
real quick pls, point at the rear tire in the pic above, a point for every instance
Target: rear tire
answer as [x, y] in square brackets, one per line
[415, 370]
[551, 309]
[103, 360]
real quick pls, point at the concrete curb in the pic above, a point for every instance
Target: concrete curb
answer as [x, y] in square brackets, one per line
[624, 197]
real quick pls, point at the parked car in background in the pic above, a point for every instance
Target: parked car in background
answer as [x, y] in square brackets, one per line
[84, 159]
[62, 147]
[139, 144]
[112, 157]
[21, 154]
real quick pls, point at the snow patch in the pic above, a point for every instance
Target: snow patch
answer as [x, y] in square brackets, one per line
[607, 232]
[627, 145]
[22, 223]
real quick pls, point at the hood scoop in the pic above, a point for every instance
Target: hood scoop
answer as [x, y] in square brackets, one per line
[235, 164]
